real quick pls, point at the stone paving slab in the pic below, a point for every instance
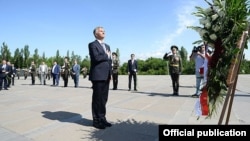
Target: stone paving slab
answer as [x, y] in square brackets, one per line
[46, 113]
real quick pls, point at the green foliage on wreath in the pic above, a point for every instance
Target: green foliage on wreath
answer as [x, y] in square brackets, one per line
[222, 25]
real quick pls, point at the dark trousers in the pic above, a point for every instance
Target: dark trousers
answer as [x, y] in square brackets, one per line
[33, 78]
[13, 80]
[8, 80]
[115, 80]
[3, 80]
[130, 76]
[99, 99]
[76, 80]
[66, 79]
[55, 79]
[175, 82]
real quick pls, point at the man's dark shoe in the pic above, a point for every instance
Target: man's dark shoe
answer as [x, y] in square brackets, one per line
[106, 123]
[129, 89]
[6, 88]
[175, 94]
[195, 95]
[99, 125]
[135, 89]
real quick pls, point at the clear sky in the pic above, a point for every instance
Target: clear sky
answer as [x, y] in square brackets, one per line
[146, 28]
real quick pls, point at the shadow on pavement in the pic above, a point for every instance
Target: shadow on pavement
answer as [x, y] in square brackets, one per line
[64, 116]
[130, 130]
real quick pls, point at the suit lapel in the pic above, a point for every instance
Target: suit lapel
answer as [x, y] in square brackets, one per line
[99, 46]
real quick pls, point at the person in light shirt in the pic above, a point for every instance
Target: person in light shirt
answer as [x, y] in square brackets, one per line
[43, 71]
[198, 55]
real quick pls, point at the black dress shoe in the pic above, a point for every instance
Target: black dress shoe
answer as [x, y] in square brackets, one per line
[106, 123]
[175, 94]
[99, 125]
[6, 88]
[195, 95]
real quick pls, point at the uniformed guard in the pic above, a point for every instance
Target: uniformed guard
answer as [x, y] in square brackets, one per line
[115, 70]
[65, 71]
[175, 67]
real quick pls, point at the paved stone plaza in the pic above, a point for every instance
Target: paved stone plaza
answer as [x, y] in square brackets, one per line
[46, 113]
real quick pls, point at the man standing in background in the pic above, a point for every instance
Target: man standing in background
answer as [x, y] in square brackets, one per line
[55, 74]
[132, 72]
[10, 71]
[75, 73]
[115, 66]
[3, 74]
[43, 71]
[66, 71]
[13, 74]
[32, 71]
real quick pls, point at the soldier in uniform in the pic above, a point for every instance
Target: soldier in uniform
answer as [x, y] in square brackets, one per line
[84, 72]
[32, 71]
[115, 66]
[65, 71]
[49, 73]
[175, 67]
[25, 73]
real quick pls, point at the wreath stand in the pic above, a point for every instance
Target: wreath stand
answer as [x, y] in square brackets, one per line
[232, 79]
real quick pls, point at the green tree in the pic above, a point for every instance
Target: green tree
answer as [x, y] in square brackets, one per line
[5, 52]
[36, 57]
[26, 54]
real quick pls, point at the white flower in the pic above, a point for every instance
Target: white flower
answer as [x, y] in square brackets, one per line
[214, 17]
[202, 32]
[213, 37]
[215, 28]
[208, 25]
[221, 13]
[223, 3]
[208, 20]
[203, 21]
[208, 10]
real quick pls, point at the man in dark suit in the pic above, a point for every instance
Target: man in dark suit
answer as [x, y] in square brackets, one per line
[9, 75]
[132, 72]
[76, 73]
[55, 71]
[100, 75]
[4, 70]
[32, 71]
[13, 74]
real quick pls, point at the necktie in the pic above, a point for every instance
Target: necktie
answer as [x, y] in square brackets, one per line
[103, 46]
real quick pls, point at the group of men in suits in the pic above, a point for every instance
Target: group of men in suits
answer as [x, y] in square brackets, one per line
[65, 72]
[7, 74]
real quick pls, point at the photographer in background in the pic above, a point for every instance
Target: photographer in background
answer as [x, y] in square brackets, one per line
[198, 55]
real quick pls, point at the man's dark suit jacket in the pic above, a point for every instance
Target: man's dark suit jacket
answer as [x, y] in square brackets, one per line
[7, 69]
[56, 70]
[100, 68]
[14, 71]
[132, 67]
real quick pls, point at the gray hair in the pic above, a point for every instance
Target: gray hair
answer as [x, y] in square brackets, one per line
[97, 28]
